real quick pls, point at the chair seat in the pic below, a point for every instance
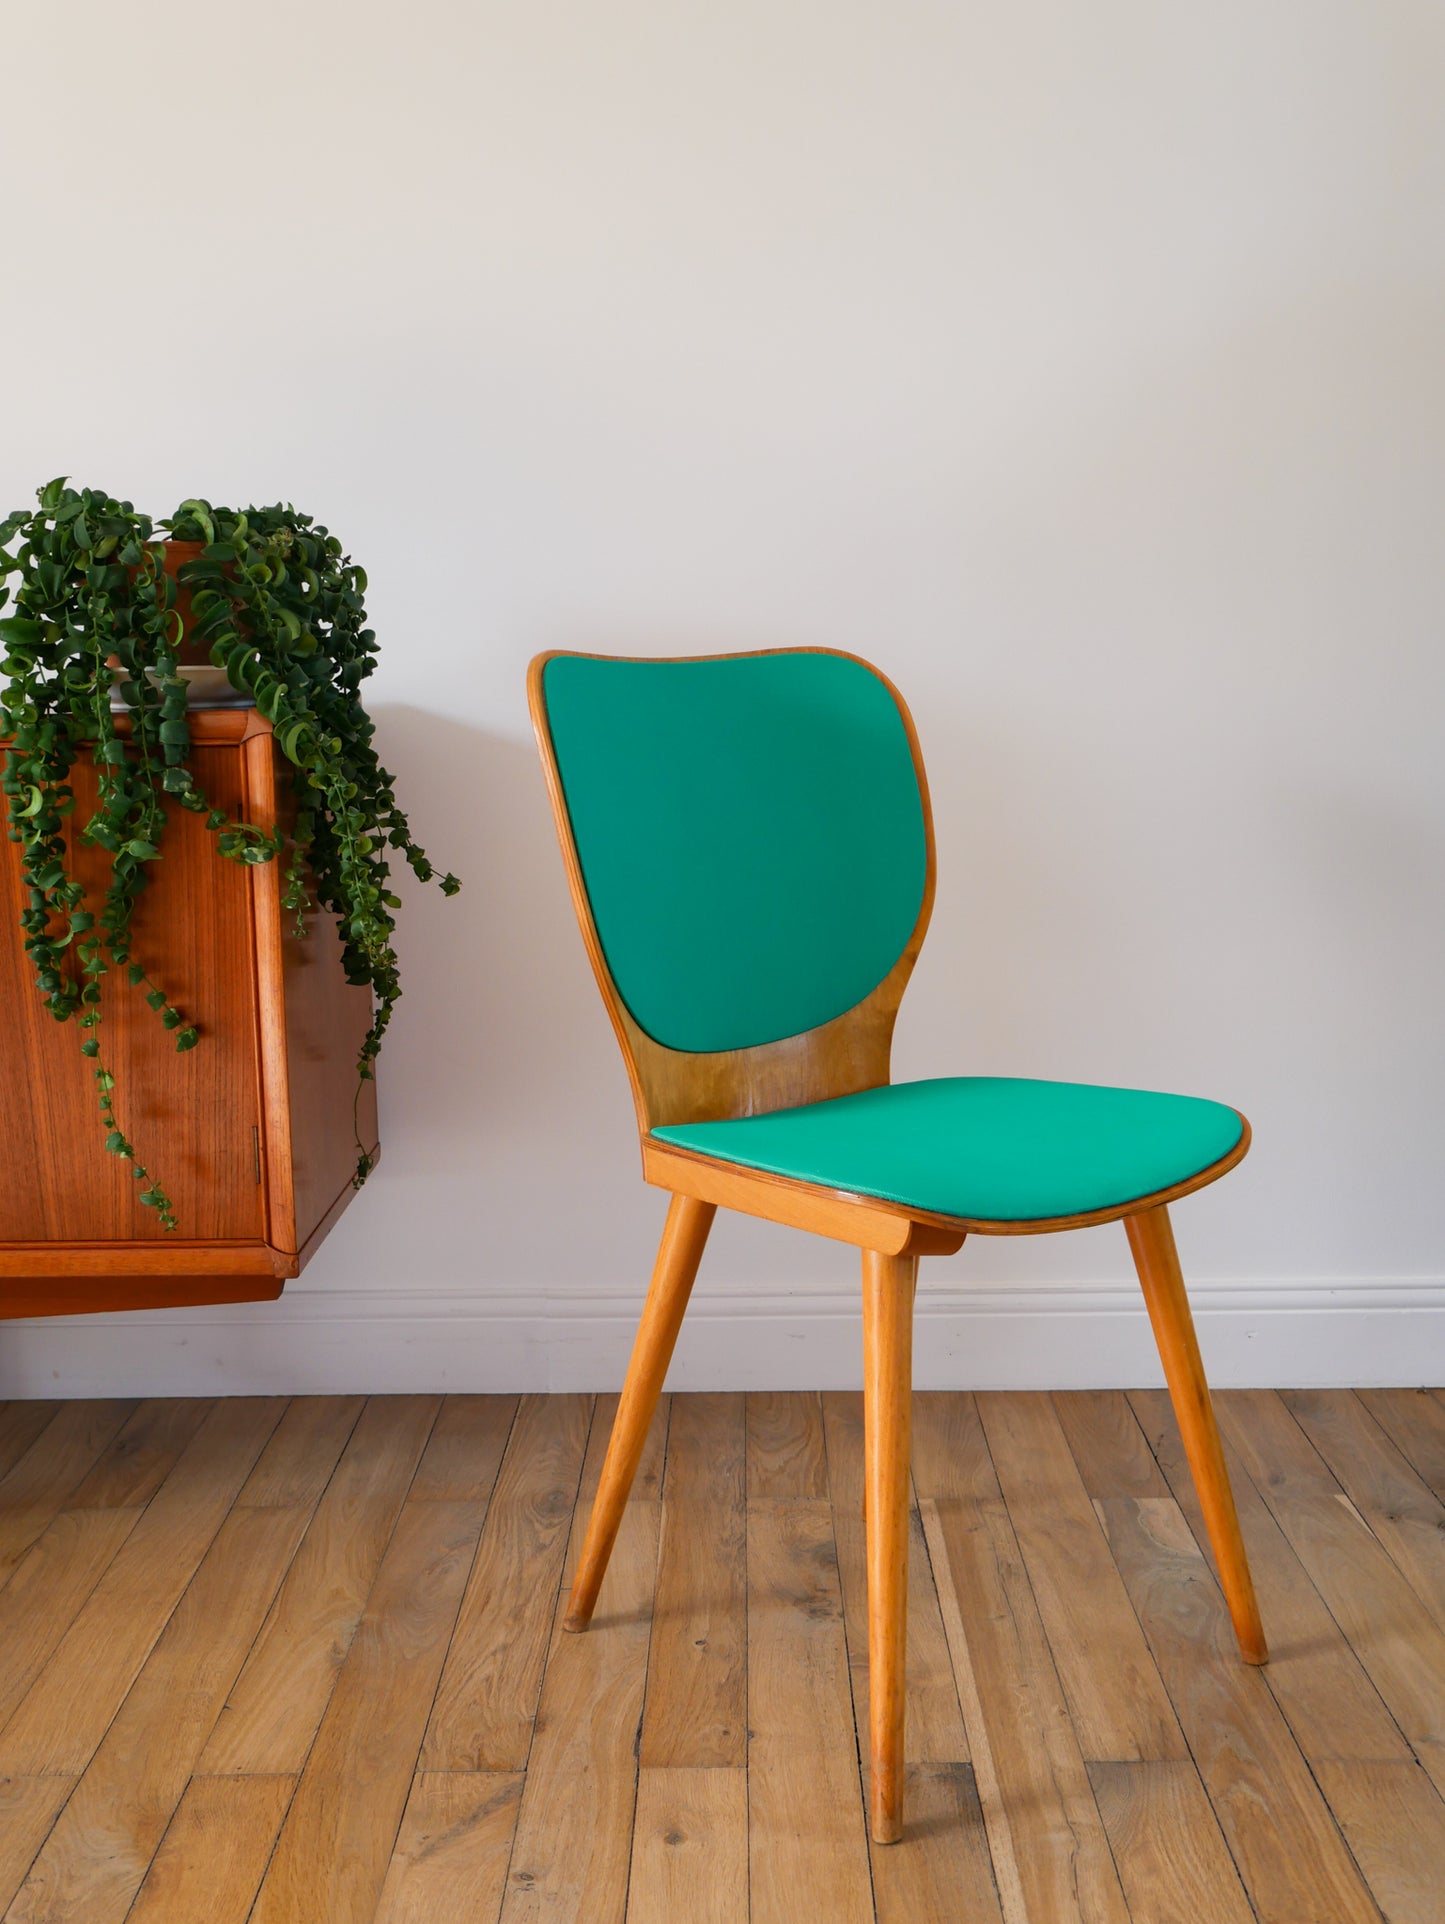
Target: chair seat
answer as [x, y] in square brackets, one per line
[988, 1148]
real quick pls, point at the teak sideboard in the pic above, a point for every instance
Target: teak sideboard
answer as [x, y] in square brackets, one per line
[250, 1132]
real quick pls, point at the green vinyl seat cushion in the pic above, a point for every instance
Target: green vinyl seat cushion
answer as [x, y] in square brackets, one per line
[993, 1148]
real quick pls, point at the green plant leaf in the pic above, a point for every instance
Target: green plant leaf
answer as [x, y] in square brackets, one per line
[279, 604]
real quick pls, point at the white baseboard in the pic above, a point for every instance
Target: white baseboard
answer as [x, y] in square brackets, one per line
[1381, 1330]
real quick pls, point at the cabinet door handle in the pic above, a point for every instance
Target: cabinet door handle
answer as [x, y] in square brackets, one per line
[256, 1151]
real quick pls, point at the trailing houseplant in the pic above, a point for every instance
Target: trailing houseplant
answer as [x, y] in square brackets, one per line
[93, 599]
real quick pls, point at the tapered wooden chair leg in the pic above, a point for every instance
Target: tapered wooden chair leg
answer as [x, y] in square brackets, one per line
[888, 1286]
[1151, 1237]
[683, 1237]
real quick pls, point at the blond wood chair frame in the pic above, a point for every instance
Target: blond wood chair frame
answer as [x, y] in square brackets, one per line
[843, 1056]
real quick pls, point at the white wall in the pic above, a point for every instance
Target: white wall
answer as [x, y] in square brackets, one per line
[1080, 365]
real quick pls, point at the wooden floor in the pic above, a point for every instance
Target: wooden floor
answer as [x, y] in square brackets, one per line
[301, 1663]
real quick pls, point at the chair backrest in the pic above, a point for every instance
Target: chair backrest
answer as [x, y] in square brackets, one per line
[751, 856]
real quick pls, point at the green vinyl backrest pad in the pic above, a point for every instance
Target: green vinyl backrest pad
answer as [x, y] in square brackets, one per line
[750, 832]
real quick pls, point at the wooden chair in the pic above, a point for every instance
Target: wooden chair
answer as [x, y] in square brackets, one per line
[750, 851]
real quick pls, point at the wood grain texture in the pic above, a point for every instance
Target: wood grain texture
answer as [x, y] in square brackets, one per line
[1399, 1643]
[189, 1115]
[950, 1455]
[1173, 1862]
[1395, 1501]
[464, 1451]
[571, 1856]
[1039, 1806]
[297, 1464]
[331, 1858]
[42, 1480]
[1414, 1421]
[272, 1713]
[1279, 1830]
[940, 1867]
[214, 1852]
[450, 1861]
[48, 1591]
[96, 1857]
[690, 1847]
[1111, 1452]
[777, 1199]
[696, 1713]
[1301, 1795]
[64, 1715]
[123, 1266]
[1391, 1815]
[20, 1424]
[485, 1704]
[807, 1831]
[252, 1131]
[141, 1455]
[787, 1450]
[1117, 1701]
[28, 1808]
[1332, 1708]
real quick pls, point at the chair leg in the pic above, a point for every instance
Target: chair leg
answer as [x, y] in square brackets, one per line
[888, 1286]
[683, 1237]
[1151, 1238]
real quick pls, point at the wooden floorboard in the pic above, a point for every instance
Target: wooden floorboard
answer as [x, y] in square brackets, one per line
[690, 1846]
[334, 1849]
[1398, 1641]
[452, 1851]
[266, 1661]
[1392, 1818]
[20, 1425]
[40, 1483]
[63, 1716]
[697, 1673]
[805, 1804]
[272, 1714]
[215, 1850]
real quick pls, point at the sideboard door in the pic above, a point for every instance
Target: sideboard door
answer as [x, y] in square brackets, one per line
[194, 1118]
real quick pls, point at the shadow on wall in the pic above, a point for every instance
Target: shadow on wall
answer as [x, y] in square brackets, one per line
[500, 1030]
[510, 1147]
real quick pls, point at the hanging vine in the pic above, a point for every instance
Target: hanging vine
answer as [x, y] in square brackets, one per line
[87, 607]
